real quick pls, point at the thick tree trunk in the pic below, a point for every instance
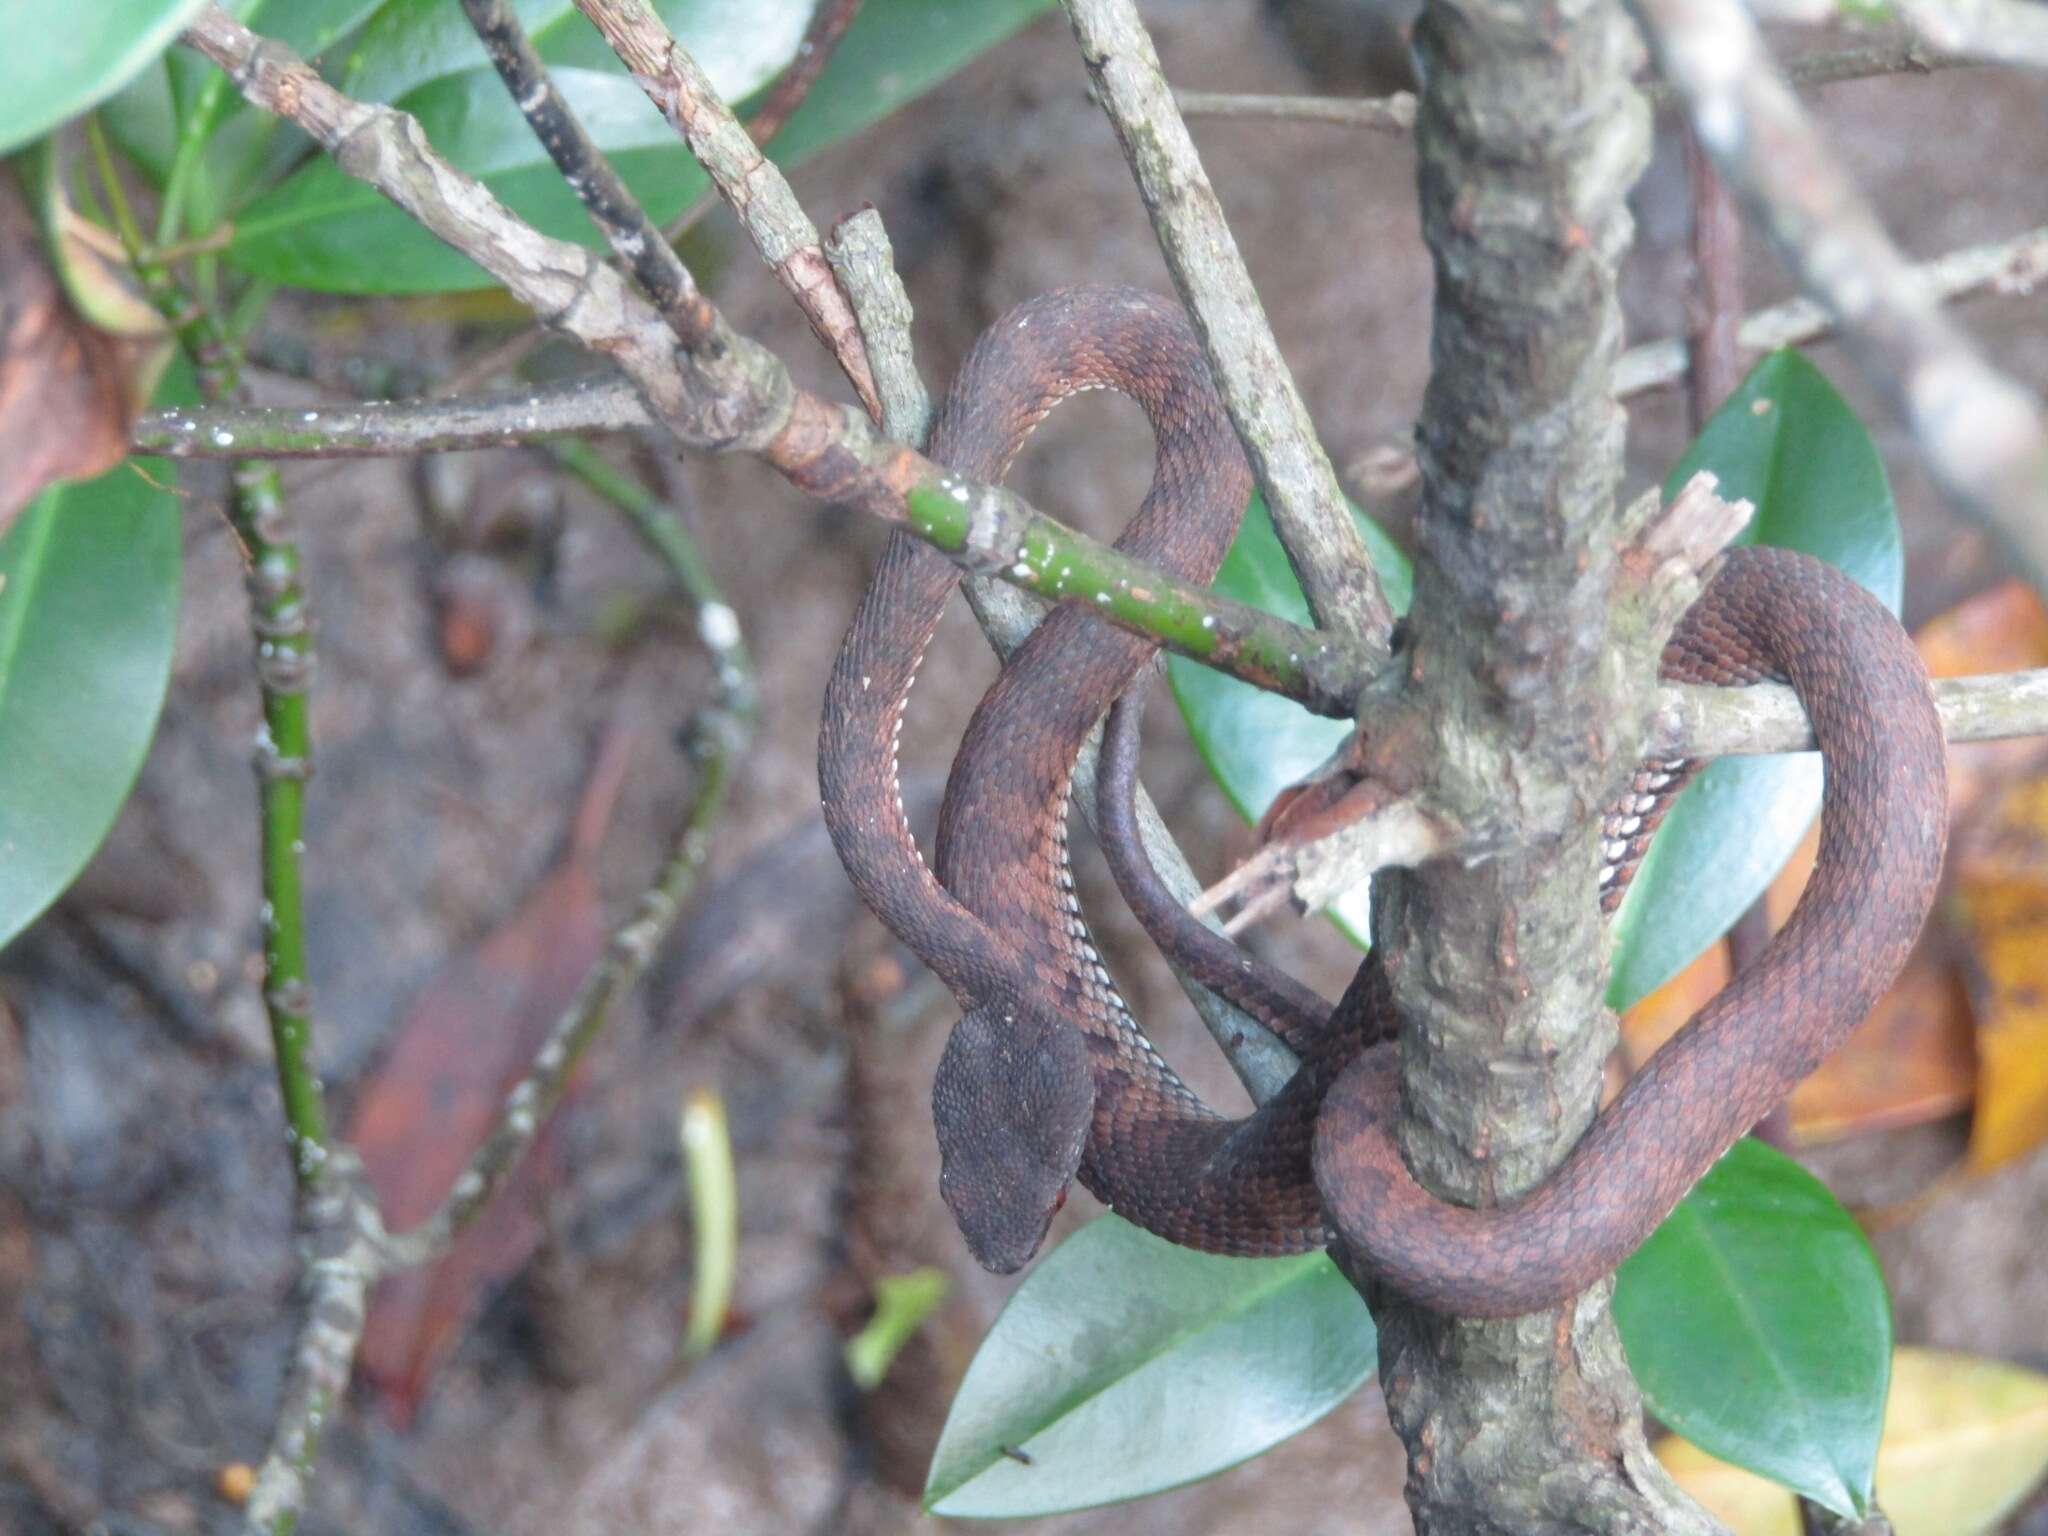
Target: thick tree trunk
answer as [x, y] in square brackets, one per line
[1530, 135]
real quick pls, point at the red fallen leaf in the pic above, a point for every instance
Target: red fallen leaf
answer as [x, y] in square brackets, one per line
[470, 1037]
[68, 391]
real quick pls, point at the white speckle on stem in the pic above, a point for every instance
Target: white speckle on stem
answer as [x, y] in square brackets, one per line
[719, 626]
[223, 436]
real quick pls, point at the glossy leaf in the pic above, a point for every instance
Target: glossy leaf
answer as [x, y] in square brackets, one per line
[1256, 743]
[322, 229]
[64, 57]
[1757, 1323]
[88, 620]
[1964, 1441]
[1790, 444]
[1124, 1365]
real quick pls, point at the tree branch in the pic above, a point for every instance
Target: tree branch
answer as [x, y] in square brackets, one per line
[1726, 722]
[1526, 691]
[2004, 266]
[774, 220]
[828, 24]
[1982, 435]
[395, 428]
[730, 394]
[614, 210]
[1396, 113]
[1309, 511]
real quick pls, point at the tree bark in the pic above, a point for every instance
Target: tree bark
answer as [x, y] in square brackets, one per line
[1531, 688]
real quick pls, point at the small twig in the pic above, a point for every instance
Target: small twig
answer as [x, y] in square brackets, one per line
[865, 265]
[2003, 266]
[1982, 435]
[828, 24]
[1727, 722]
[1308, 509]
[1386, 114]
[382, 429]
[734, 395]
[282, 631]
[1715, 356]
[767, 209]
[333, 1206]
[1396, 113]
[614, 210]
[1994, 31]
[1714, 345]
[339, 1233]
[861, 255]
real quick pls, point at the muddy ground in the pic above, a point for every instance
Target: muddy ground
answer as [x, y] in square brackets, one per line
[145, 1273]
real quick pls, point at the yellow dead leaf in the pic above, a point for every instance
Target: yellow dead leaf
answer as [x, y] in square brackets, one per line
[2001, 903]
[1965, 1439]
[2004, 629]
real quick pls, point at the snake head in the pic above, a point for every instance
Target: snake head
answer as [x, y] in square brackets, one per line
[1013, 1101]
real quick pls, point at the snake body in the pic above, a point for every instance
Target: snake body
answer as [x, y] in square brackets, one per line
[1047, 1075]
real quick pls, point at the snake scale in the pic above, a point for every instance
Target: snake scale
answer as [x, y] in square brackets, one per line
[1047, 1077]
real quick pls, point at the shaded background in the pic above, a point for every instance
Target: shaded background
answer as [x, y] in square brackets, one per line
[145, 1266]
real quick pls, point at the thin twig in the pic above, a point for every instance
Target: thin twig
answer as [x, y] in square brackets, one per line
[734, 395]
[860, 253]
[1725, 722]
[1396, 113]
[865, 265]
[393, 428]
[1385, 114]
[774, 220]
[339, 1232]
[1982, 435]
[1714, 347]
[283, 642]
[331, 1204]
[2003, 266]
[716, 738]
[1716, 358]
[612, 208]
[1309, 511]
[828, 24]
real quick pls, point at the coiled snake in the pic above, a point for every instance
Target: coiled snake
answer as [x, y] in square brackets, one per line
[1047, 1076]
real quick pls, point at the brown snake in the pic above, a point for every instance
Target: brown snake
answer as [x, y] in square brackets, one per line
[1047, 1075]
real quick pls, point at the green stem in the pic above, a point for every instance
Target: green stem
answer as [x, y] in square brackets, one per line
[284, 665]
[1044, 557]
[189, 157]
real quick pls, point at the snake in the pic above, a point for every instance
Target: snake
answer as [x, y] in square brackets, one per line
[1047, 1077]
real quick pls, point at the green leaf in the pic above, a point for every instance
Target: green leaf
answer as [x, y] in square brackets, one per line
[88, 615]
[64, 57]
[322, 229]
[1124, 1365]
[1789, 443]
[1756, 1321]
[1256, 743]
